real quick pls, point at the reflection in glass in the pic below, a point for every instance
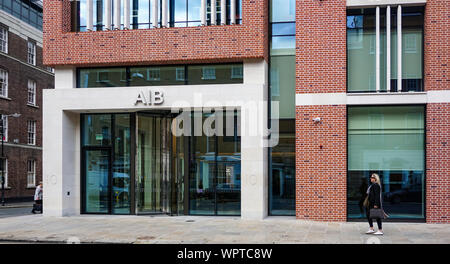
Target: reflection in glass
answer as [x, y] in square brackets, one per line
[282, 178]
[215, 170]
[282, 10]
[121, 170]
[140, 13]
[215, 73]
[102, 77]
[96, 181]
[388, 141]
[96, 130]
[161, 75]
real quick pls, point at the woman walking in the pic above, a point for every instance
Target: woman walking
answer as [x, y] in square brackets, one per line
[374, 201]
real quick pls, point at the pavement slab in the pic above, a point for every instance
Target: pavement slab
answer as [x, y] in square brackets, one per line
[218, 230]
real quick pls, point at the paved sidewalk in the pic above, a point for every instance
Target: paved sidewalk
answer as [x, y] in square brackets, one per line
[190, 229]
[17, 205]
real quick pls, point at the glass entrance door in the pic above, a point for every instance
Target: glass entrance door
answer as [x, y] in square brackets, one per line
[97, 171]
[157, 164]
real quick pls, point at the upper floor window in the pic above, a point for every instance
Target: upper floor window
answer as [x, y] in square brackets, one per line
[3, 83]
[31, 132]
[160, 75]
[4, 127]
[98, 15]
[31, 92]
[384, 49]
[3, 40]
[29, 11]
[31, 173]
[4, 171]
[31, 52]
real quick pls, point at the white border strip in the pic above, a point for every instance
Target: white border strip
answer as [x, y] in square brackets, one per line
[358, 3]
[442, 96]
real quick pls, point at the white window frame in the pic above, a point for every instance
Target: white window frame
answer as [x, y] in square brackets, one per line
[180, 73]
[31, 129]
[3, 40]
[208, 73]
[31, 173]
[4, 84]
[31, 52]
[6, 172]
[4, 119]
[31, 100]
[154, 74]
[237, 72]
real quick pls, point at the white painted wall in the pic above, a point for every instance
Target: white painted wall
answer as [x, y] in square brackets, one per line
[61, 131]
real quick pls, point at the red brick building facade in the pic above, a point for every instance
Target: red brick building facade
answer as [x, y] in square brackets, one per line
[18, 149]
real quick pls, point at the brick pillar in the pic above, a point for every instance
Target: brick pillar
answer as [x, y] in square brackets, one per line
[321, 171]
[436, 56]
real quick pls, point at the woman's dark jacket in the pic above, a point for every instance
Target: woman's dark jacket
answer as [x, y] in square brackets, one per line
[374, 196]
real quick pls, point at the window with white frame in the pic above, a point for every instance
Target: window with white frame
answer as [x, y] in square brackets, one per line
[208, 73]
[154, 74]
[3, 40]
[31, 92]
[237, 72]
[180, 74]
[31, 53]
[31, 132]
[3, 83]
[4, 171]
[31, 173]
[4, 128]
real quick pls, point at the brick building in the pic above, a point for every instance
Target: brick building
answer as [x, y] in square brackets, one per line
[316, 96]
[22, 79]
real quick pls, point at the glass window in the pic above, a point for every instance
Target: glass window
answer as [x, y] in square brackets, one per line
[4, 127]
[121, 169]
[3, 40]
[31, 92]
[31, 173]
[3, 83]
[193, 12]
[215, 168]
[282, 177]
[282, 84]
[282, 10]
[361, 49]
[283, 29]
[31, 53]
[390, 141]
[4, 171]
[141, 14]
[180, 12]
[96, 190]
[212, 74]
[102, 77]
[148, 76]
[31, 132]
[96, 130]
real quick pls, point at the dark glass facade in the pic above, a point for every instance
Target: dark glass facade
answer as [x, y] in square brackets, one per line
[389, 141]
[160, 75]
[197, 174]
[361, 50]
[25, 10]
[106, 163]
[282, 90]
[182, 13]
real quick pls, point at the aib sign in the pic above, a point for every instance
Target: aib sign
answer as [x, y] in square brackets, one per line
[150, 97]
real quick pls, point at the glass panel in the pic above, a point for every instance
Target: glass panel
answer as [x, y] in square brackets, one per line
[283, 29]
[229, 167]
[282, 45]
[180, 11]
[150, 76]
[202, 173]
[179, 163]
[390, 142]
[146, 164]
[121, 170]
[97, 186]
[361, 50]
[282, 10]
[282, 84]
[96, 130]
[412, 49]
[82, 12]
[282, 180]
[102, 77]
[140, 13]
[194, 10]
[214, 74]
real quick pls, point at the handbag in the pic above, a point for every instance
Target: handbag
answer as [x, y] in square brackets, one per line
[376, 213]
[366, 202]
